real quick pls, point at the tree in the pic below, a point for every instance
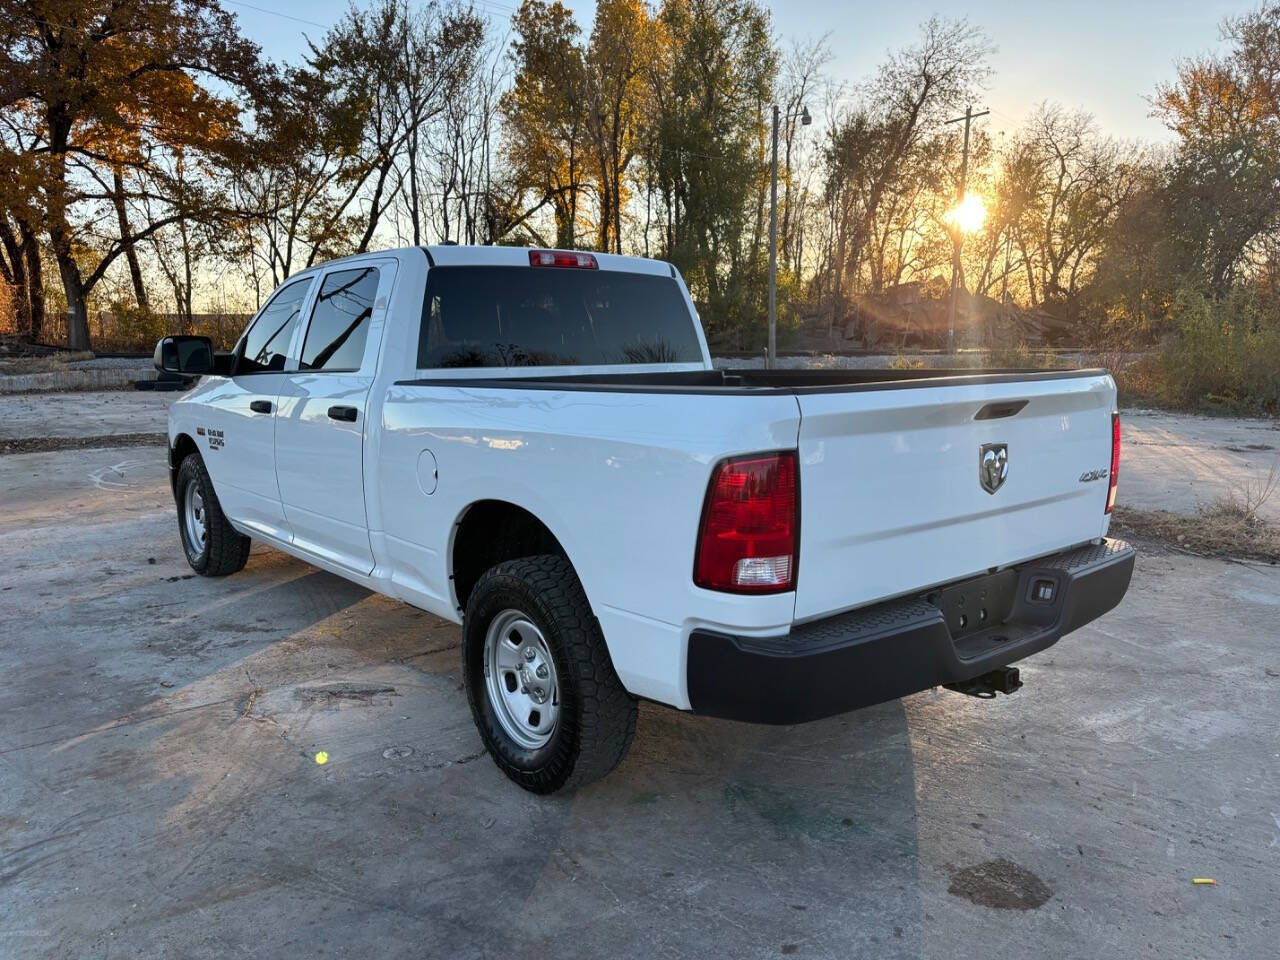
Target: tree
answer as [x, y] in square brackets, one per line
[98, 82]
[545, 113]
[1066, 185]
[623, 45]
[199, 234]
[1224, 181]
[464, 204]
[288, 202]
[21, 269]
[21, 222]
[389, 71]
[890, 164]
[802, 78]
[710, 92]
[1138, 274]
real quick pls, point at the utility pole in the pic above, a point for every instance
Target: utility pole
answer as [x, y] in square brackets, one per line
[773, 250]
[956, 233]
[1005, 312]
[771, 359]
[1004, 316]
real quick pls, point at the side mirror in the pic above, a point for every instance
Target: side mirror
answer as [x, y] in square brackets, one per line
[188, 355]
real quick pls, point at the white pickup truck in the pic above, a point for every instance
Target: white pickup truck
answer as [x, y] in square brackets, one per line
[534, 443]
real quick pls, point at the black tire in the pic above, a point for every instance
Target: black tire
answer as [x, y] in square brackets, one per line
[225, 549]
[597, 719]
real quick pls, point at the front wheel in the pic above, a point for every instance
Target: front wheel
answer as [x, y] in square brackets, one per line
[542, 689]
[213, 547]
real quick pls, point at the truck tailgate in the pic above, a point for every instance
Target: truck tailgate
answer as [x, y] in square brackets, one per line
[891, 493]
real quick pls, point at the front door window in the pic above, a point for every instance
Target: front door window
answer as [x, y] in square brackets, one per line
[265, 345]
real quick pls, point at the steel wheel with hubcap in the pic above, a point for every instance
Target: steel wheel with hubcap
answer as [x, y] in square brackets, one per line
[214, 548]
[196, 518]
[542, 689]
[521, 679]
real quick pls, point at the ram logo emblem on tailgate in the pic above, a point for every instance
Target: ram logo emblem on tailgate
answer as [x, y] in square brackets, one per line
[993, 466]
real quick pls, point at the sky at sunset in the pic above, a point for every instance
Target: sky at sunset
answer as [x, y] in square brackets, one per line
[1106, 57]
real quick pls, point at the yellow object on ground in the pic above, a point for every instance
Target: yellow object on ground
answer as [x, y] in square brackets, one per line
[1204, 881]
[322, 758]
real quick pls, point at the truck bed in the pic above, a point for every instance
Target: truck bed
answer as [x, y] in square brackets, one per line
[891, 461]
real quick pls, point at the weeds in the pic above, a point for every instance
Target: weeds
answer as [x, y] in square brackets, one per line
[1231, 526]
[1225, 356]
[52, 363]
[1206, 534]
[1243, 501]
[1017, 356]
[906, 362]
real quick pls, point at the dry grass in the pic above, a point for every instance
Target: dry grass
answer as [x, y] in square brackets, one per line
[1218, 530]
[1231, 527]
[1017, 356]
[49, 444]
[1245, 500]
[53, 362]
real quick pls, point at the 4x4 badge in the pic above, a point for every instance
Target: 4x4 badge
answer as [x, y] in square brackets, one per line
[993, 466]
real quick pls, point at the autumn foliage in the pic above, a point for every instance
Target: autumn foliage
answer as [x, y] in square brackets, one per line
[154, 161]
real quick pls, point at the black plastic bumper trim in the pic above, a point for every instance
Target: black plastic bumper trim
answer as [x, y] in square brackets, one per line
[892, 649]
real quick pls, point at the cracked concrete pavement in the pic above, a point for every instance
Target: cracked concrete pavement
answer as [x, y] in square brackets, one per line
[159, 796]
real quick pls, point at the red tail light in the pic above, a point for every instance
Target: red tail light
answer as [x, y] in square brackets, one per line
[750, 526]
[1115, 460]
[562, 258]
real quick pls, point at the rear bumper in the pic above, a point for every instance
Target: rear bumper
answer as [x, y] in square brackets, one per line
[900, 647]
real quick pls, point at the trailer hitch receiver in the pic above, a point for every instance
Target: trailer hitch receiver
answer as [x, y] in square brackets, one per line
[985, 687]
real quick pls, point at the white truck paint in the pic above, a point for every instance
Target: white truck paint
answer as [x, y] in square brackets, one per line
[617, 467]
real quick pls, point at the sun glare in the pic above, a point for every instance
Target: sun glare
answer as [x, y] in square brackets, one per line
[968, 215]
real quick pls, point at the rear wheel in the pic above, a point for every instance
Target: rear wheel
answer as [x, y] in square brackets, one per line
[213, 547]
[541, 686]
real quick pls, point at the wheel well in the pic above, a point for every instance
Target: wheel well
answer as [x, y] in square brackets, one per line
[183, 446]
[490, 532]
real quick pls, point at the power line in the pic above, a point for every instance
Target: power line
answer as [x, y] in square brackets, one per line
[277, 13]
[497, 6]
[1013, 122]
[492, 8]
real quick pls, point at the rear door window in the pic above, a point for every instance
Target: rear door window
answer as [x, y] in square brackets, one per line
[531, 317]
[265, 345]
[340, 320]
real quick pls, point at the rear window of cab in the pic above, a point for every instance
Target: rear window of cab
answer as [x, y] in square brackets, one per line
[523, 317]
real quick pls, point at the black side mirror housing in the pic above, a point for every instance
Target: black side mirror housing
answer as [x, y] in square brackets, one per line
[192, 356]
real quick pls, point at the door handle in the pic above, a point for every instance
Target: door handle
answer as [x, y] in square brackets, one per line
[260, 406]
[348, 414]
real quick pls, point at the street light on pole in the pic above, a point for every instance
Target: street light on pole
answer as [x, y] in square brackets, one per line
[772, 357]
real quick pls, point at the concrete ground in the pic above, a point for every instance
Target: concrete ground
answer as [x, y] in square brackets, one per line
[159, 797]
[87, 414]
[1178, 462]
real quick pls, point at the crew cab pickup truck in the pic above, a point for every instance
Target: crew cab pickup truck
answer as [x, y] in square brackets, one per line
[535, 444]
